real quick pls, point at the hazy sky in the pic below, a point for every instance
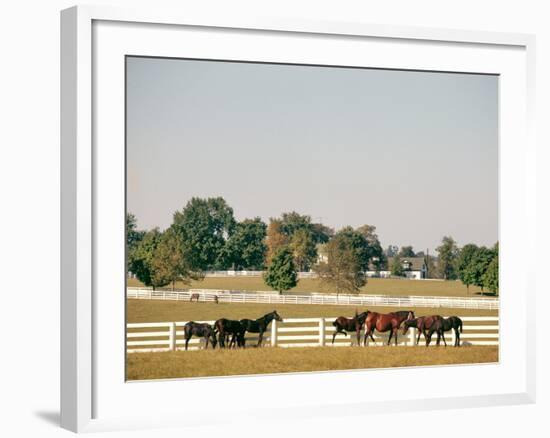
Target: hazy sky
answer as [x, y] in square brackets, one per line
[414, 153]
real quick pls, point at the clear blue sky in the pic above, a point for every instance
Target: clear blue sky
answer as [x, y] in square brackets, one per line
[413, 153]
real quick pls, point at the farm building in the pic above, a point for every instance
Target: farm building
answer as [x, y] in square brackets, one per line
[413, 267]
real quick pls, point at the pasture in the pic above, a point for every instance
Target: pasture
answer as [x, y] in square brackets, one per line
[375, 286]
[203, 363]
[139, 311]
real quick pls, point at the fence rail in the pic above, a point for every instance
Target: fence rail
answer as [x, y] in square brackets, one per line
[298, 332]
[228, 296]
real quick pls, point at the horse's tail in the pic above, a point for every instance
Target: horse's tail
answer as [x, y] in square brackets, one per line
[460, 324]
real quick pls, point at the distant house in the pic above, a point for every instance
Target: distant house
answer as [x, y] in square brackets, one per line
[413, 267]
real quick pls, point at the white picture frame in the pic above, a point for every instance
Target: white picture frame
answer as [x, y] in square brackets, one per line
[93, 40]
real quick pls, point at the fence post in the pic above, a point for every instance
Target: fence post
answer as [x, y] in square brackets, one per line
[321, 332]
[274, 333]
[412, 336]
[172, 336]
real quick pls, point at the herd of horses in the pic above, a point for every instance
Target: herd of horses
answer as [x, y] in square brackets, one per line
[231, 333]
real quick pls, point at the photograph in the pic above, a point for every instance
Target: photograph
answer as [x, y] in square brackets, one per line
[290, 218]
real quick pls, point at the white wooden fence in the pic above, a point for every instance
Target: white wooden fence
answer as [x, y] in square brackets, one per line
[299, 332]
[228, 296]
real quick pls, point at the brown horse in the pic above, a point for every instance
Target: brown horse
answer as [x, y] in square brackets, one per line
[354, 324]
[444, 325]
[425, 326]
[383, 322]
[194, 297]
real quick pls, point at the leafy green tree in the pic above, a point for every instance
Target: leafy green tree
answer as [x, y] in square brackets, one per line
[376, 253]
[406, 251]
[275, 239]
[447, 258]
[169, 262]
[344, 268]
[133, 236]
[140, 259]
[246, 247]
[479, 265]
[304, 249]
[396, 268]
[293, 221]
[490, 277]
[321, 233]
[204, 226]
[465, 266]
[281, 274]
[431, 268]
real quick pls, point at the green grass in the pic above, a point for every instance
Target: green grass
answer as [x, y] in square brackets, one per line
[376, 286]
[281, 360]
[139, 311]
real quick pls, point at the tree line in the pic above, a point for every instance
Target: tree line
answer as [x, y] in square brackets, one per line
[205, 236]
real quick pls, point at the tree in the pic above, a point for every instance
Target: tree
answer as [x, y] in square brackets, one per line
[396, 267]
[347, 260]
[169, 262]
[490, 277]
[376, 253]
[275, 240]
[304, 249]
[246, 248]
[140, 259]
[447, 257]
[321, 233]
[292, 222]
[479, 265]
[204, 225]
[464, 265]
[133, 236]
[281, 273]
[406, 251]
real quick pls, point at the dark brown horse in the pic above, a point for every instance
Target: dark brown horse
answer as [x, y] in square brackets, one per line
[383, 322]
[424, 324]
[194, 297]
[203, 330]
[259, 325]
[229, 327]
[350, 324]
[446, 324]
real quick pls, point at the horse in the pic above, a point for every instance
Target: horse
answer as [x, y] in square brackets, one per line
[199, 329]
[216, 299]
[194, 297]
[385, 322]
[446, 324]
[423, 324]
[226, 327]
[259, 326]
[356, 323]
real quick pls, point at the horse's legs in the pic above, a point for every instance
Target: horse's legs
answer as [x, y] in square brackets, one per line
[457, 337]
[187, 341]
[418, 338]
[395, 333]
[428, 337]
[206, 339]
[443, 337]
[359, 337]
[260, 338]
[389, 338]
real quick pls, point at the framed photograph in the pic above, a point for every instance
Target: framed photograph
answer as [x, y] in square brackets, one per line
[291, 210]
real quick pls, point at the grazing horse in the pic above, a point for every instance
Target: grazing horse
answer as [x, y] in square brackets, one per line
[259, 326]
[386, 322]
[446, 324]
[226, 327]
[194, 297]
[203, 330]
[216, 300]
[424, 324]
[350, 324]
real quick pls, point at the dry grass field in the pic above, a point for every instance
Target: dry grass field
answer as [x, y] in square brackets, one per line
[267, 360]
[375, 286]
[159, 311]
